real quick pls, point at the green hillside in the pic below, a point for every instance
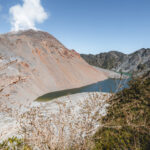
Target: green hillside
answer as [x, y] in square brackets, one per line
[127, 124]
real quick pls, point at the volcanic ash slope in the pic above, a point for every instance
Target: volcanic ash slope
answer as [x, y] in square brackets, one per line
[33, 63]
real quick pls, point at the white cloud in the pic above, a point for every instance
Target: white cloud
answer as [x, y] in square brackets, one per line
[27, 15]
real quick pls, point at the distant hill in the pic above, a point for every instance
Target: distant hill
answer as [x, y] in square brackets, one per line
[137, 62]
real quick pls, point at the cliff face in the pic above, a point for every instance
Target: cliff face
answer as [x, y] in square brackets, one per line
[137, 62]
[33, 63]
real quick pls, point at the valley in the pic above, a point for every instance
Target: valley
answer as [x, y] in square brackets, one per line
[48, 91]
[74, 75]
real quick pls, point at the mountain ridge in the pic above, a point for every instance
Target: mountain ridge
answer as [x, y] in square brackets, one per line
[136, 62]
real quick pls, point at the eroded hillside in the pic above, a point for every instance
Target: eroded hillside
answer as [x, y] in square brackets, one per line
[33, 63]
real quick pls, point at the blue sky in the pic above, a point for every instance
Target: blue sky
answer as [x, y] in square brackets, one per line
[92, 26]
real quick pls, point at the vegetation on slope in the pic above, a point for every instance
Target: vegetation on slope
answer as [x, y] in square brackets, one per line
[127, 124]
[14, 143]
[135, 63]
[125, 127]
[108, 60]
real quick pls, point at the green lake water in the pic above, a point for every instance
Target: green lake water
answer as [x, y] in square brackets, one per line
[108, 86]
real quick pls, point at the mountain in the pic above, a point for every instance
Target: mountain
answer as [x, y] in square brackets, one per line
[105, 60]
[138, 61]
[33, 63]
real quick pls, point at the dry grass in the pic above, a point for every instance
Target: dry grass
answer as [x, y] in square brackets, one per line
[70, 126]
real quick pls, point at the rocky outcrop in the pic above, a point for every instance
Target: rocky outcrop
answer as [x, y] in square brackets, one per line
[137, 62]
[33, 63]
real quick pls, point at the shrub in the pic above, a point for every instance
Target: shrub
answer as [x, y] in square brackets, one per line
[127, 123]
[14, 143]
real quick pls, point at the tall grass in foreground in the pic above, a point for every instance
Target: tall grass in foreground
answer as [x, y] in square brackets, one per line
[126, 126]
[69, 127]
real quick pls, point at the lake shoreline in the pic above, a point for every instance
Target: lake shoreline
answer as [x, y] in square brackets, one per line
[111, 85]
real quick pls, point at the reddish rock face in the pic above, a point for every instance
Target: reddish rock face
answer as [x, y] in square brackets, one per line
[33, 63]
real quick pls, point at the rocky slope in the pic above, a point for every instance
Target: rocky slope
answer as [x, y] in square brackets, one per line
[33, 63]
[138, 61]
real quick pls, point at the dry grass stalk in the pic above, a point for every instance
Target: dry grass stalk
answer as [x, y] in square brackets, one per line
[69, 127]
